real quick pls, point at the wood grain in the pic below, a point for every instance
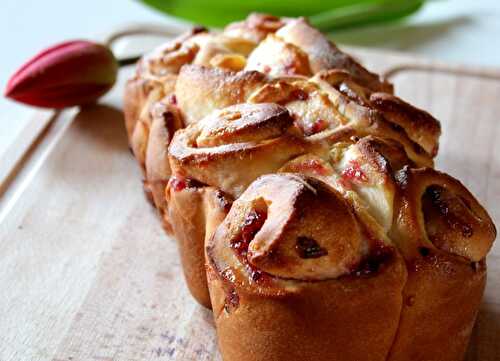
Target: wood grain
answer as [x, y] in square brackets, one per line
[87, 273]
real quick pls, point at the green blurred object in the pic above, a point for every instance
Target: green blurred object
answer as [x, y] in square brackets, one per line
[326, 15]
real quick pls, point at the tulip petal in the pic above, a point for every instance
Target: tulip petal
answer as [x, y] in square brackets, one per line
[68, 74]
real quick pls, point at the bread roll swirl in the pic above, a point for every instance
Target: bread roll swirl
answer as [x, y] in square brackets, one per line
[420, 126]
[437, 211]
[272, 264]
[256, 137]
[315, 105]
[323, 54]
[287, 223]
[445, 251]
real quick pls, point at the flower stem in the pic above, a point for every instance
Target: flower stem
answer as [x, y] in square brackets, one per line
[128, 61]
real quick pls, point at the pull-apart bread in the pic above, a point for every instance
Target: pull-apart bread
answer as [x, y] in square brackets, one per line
[303, 197]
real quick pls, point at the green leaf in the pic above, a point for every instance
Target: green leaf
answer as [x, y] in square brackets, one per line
[327, 15]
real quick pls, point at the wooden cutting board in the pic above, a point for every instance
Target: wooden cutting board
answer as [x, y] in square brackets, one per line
[86, 271]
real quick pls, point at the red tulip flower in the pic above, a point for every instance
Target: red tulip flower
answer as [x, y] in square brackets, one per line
[68, 74]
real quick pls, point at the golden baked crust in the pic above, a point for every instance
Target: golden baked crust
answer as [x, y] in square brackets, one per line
[200, 90]
[324, 55]
[293, 275]
[194, 212]
[255, 27]
[439, 228]
[304, 189]
[444, 234]
[420, 126]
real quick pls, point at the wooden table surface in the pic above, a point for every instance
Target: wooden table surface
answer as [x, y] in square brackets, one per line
[87, 273]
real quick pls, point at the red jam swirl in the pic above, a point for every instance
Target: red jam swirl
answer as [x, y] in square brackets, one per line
[179, 183]
[298, 94]
[353, 174]
[232, 301]
[315, 127]
[252, 224]
[311, 166]
[172, 99]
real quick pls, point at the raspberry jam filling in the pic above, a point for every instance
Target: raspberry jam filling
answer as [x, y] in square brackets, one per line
[179, 183]
[232, 301]
[315, 127]
[298, 94]
[319, 125]
[252, 224]
[353, 174]
[311, 166]
[172, 99]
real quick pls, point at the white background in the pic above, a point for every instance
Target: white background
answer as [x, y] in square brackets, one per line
[458, 31]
